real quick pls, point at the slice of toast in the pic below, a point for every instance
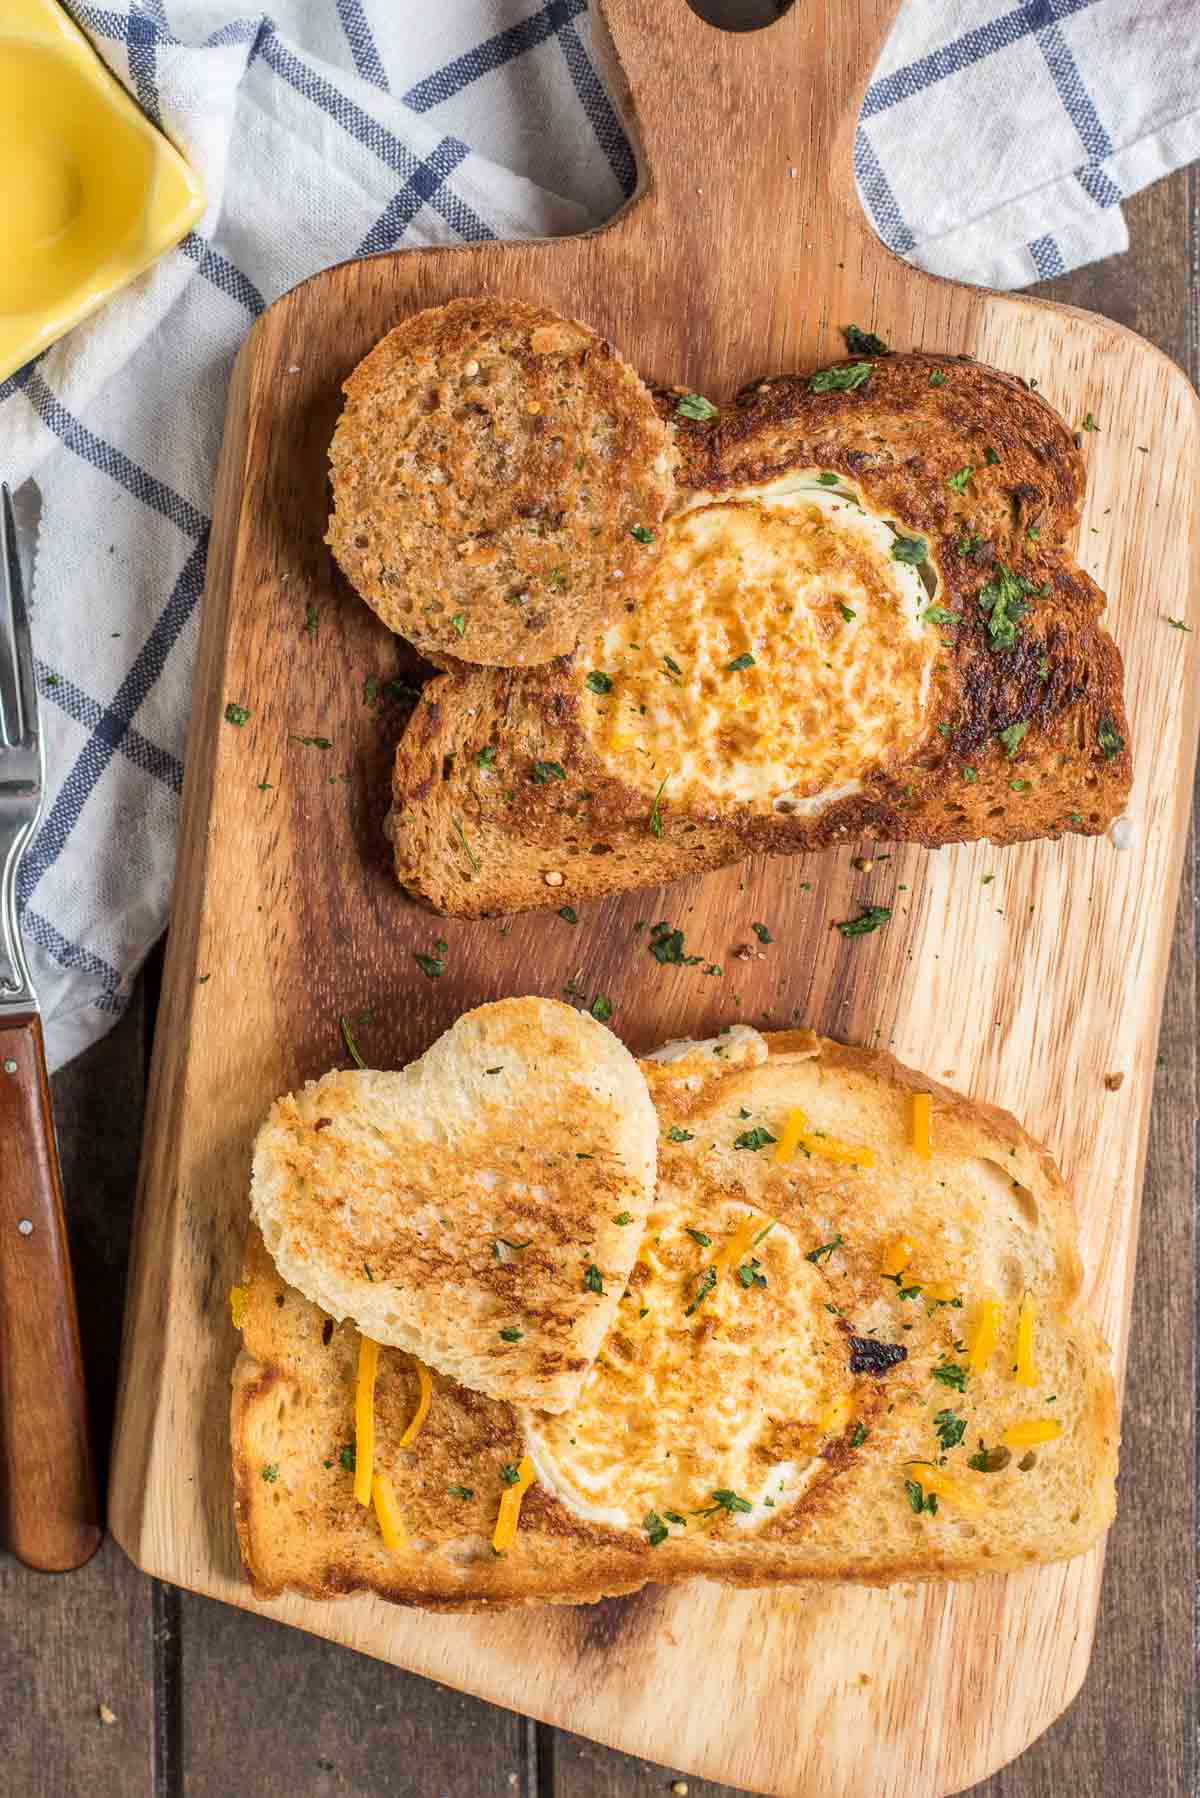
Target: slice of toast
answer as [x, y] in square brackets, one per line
[885, 1376]
[499, 476]
[480, 1208]
[866, 619]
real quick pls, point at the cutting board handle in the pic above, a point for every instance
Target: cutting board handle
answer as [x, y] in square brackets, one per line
[735, 125]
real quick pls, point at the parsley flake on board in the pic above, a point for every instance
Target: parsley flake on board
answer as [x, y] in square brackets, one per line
[541, 772]
[1013, 737]
[745, 660]
[708, 1280]
[695, 406]
[310, 620]
[311, 742]
[912, 550]
[236, 714]
[568, 914]
[675, 1134]
[655, 1528]
[348, 1039]
[601, 1008]
[434, 966]
[593, 1280]
[845, 379]
[951, 1374]
[755, 1139]
[762, 933]
[598, 681]
[866, 922]
[826, 1250]
[1089, 423]
[950, 1428]
[919, 1499]
[666, 946]
[863, 343]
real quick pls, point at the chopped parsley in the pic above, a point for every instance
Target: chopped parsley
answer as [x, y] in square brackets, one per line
[708, 1280]
[957, 483]
[461, 834]
[1020, 786]
[348, 1457]
[903, 1291]
[746, 660]
[724, 1500]
[991, 458]
[861, 1432]
[762, 933]
[1089, 423]
[920, 1500]
[1177, 624]
[866, 921]
[601, 1008]
[598, 681]
[671, 666]
[348, 1039]
[848, 612]
[593, 1280]
[641, 534]
[312, 742]
[912, 550]
[568, 914]
[270, 1473]
[666, 946]
[675, 1134]
[510, 1335]
[655, 1528]
[748, 1273]
[938, 378]
[950, 1428]
[485, 757]
[699, 1236]
[863, 343]
[826, 1249]
[939, 615]
[841, 380]
[951, 1374]
[623, 1217]
[510, 1473]
[1004, 599]
[755, 1139]
[970, 775]
[674, 1517]
[1013, 737]
[1110, 739]
[461, 1491]
[434, 966]
[656, 823]
[828, 480]
[459, 622]
[988, 1460]
[695, 406]
[541, 772]
[236, 714]
[310, 620]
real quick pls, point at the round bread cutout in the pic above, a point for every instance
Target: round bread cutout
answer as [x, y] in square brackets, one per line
[499, 478]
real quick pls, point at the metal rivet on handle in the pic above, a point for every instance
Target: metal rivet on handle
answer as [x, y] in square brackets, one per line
[10, 1067]
[25, 1227]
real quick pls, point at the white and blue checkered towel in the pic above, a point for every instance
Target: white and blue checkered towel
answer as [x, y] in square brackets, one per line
[996, 145]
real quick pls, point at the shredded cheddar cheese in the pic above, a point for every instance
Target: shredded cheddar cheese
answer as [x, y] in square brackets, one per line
[239, 1298]
[933, 1479]
[422, 1410]
[1025, 1372]
[837, 1415]
[796, 1135]
[391, 1524]
[789, 1142]
[364, 1419]
[1031, 1432]
[897, 1255]
[740, 1243]
[987, 1334]
[922, 1124]
[510, 1507]
[941, 1290]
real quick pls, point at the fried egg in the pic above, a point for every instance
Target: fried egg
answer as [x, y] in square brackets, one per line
[780, 654]
[715, 1391]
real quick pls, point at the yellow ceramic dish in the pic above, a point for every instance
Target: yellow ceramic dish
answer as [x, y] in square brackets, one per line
[90, 192]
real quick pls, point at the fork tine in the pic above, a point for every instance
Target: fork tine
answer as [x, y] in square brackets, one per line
[18, 700]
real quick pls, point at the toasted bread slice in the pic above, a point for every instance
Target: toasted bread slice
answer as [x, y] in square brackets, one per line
[867, 619]
[820, 1370]
[481, 1208]
[499, 478]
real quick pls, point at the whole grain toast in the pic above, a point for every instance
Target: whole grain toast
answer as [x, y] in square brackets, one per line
[462, 1207]
[887, 1434]
[499, 474]
[513, 790]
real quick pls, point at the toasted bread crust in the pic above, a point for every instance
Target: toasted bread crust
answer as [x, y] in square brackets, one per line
[900, 439]
[490, 470]
[302, 1531]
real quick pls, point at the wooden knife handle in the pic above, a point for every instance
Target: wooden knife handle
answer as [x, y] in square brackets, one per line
[46, 1475]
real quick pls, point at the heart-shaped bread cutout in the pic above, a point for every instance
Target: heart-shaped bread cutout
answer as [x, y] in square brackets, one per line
[480, 1208]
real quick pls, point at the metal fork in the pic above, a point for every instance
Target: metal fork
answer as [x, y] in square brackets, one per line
[46, 1475]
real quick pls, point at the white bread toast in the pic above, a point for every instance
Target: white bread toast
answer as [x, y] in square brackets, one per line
[800, 1414]
[463, 1207]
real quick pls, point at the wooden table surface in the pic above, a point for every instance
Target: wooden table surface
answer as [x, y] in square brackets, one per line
[202, 1699]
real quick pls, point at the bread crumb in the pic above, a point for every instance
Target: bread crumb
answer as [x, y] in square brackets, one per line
[294, 369]
[1113, 1082]
[105, 1715]
[553, 879]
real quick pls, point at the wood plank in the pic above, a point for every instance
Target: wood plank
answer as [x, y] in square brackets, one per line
[285, 902]
[76, 1641]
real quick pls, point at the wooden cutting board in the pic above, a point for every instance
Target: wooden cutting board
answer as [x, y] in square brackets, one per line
[744, 255]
